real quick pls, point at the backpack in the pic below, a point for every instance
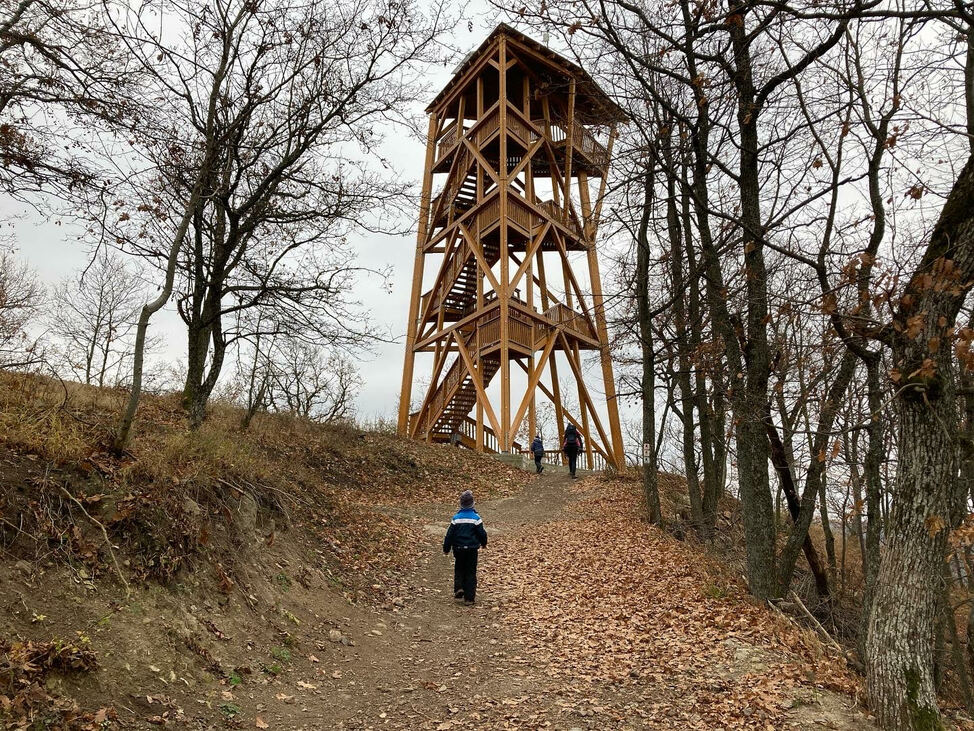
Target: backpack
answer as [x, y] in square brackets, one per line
[571, 438]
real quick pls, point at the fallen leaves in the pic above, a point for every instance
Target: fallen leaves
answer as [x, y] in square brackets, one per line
[602, 600]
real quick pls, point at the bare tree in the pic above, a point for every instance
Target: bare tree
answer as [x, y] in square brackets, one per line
[62, 72]
[279, 101]
[20, 298]
[308, 382]
[94, 319]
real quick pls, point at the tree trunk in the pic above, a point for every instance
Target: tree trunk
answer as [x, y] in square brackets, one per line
[781, 464]
[823, 512]
[650, 466]
[816, 467]
[899, 646]
[682, 375]
[750, 393]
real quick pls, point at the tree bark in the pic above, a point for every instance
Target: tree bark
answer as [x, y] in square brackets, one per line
[899, 646]
[682, 374]
[648, 380]
[750, 393]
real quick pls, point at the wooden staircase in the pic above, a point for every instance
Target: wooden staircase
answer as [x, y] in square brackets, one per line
[454, 397]
[457, 291]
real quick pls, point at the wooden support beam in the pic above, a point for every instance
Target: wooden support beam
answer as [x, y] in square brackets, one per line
[533, 377]
[572, 420]
[476, 248]
[577, 370]
[422, 231]
[503, 293]
[478, 383]
[439, 360]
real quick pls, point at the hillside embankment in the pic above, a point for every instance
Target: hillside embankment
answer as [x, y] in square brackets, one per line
[290, 576]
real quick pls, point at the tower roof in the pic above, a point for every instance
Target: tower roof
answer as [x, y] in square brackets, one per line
[593, 104]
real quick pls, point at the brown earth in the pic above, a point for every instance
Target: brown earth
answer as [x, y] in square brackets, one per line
[586, 619]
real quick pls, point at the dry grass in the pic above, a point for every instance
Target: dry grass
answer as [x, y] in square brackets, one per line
[169, 496]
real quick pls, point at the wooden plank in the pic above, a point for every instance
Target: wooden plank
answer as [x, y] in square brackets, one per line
[569, 149]
[529, 254]
[454, 246]
[482, 160]
[584, 411]
[439, 360]
[577, 370]
[503, 293]
[422, 231]
[457, 325]
[478, 253]
[533, 377]
[471, 74]
[602, 330]
[478, 382]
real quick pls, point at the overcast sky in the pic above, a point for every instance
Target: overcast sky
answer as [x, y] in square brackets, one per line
[58, 249]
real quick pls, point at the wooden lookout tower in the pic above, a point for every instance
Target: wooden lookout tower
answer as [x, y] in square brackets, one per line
[506, 274]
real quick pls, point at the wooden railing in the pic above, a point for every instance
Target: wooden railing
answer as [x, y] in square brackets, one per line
[582, 140]
[557, 213]
[520, 213]
[486, 126]
[598, 463]
[468, 428]
[453, 185]
[458, 260]
[522, 131]
[564, 315]
[489, 215]
[444, 392]
[521, 330]
[451, 135]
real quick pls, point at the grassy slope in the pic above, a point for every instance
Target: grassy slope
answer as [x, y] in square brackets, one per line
[233, 544]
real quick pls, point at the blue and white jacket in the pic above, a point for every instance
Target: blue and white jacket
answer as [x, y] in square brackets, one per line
[466, 531]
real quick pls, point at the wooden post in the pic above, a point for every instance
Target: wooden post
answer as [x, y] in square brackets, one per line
[504, 295]
[422, 231]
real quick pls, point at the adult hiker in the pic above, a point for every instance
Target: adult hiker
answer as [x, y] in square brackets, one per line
[466, 536]
[572, 446]
[537, 449]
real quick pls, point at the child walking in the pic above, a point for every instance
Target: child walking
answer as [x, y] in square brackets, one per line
[466, 536]
[537, 449]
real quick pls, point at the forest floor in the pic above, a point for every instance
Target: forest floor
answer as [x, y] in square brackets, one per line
[586, 619]
[291, 577]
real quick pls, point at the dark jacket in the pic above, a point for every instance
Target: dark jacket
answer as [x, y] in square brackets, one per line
[466, 531]
[577, 446]
[537, 446]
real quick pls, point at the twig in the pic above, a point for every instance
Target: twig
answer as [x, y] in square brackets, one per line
[108, 542]
[818, 625]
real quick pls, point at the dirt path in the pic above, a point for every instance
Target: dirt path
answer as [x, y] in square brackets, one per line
[432, 663]
[552, 642]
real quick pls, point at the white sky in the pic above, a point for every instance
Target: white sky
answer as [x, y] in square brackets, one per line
[57, 250]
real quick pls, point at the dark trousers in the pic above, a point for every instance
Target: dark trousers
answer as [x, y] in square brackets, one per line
[465, 573]
[572, 454]
[537, 461]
